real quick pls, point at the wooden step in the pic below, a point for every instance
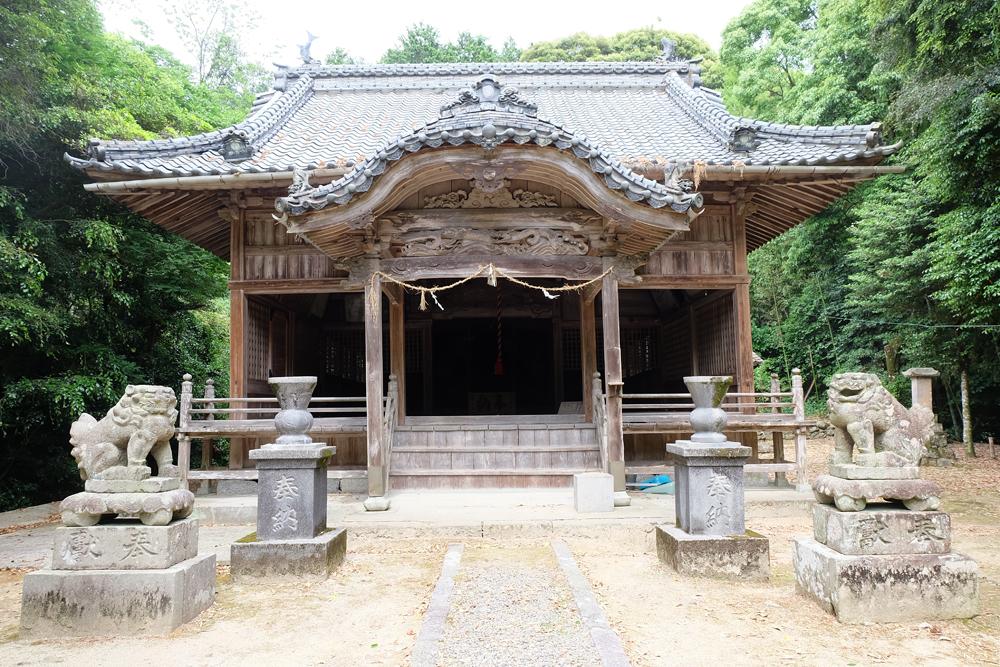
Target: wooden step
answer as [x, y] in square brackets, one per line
[510, 458]
[498, 478]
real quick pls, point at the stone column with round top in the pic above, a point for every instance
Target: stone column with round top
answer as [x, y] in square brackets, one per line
[710, 538]
[292, 537]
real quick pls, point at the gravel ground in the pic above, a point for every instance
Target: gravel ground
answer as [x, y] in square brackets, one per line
[514, 607]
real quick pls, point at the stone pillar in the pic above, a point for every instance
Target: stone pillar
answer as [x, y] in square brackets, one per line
[292, 538]
[710, 538]
[922, 386]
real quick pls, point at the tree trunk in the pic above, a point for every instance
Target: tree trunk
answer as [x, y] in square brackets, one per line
[970, 447]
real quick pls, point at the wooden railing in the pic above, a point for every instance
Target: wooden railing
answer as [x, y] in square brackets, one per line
[774, 411]
[203, 419]
[389, 417]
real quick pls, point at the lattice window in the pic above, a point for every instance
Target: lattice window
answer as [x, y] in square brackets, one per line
[345, 354]
[571, 349]
[640, 350]
[258, 327]
[716, 338]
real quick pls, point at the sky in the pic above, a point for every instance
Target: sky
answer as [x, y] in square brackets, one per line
[367, 29]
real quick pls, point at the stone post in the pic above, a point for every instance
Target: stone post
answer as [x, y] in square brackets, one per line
[922, 386]
[710, 538]
[292, 538]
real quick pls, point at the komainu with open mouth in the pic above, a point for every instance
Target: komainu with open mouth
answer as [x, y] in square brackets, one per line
[870, 420]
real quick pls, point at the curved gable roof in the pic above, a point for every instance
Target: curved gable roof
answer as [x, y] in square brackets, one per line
[343, 115]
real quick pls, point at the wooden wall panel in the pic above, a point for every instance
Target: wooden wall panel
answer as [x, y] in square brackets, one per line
[272, 254]
[707, 249]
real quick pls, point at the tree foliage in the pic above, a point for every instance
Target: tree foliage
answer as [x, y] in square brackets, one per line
[905, 269]
[641, 44]
[421, 43]
[91, 297]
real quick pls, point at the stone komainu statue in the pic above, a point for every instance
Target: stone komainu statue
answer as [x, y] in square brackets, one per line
[870, 420]
[116, 447]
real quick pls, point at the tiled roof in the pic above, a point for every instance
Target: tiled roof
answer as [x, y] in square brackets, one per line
[631, 113]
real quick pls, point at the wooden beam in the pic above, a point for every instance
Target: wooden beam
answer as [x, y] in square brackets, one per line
[458, 266]
[393, 292]
[613, 380]
[373, 386]
[488, 218]
[688, 281]
[588, 354]
[295, 286]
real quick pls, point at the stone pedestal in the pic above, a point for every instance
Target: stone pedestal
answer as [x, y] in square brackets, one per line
[883, 562]
[312, 558]
[593, 492]
[887, 588]
[291, 490]
[710, 538]
[853, 495]
[292, 538]
[119, 579]
[745, 556]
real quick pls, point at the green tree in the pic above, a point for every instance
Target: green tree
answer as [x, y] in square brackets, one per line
[914, 271]
[422, 44]
[91, 297]
[340, 56]
[641, 44]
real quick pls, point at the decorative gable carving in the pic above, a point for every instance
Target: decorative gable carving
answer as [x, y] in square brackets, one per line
[488, 95]
[501, 197]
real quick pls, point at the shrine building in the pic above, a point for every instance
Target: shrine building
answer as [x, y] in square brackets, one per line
[589, 224]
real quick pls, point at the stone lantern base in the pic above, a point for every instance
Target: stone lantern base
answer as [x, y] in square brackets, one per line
[710, 538]
[292, 539]
[742, 557]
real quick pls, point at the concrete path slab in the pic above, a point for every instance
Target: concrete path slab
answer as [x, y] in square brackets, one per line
[606, 641]
[425, 650]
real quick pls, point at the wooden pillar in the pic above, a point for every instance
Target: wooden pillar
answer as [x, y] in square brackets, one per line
[237, 331]
[613, 378]
[373, 385]
[588, 354]
[397, 346]
[741, 314]
[741, 302]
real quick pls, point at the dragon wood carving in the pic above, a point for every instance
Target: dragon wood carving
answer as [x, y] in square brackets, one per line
[470, 241]
[502, 197]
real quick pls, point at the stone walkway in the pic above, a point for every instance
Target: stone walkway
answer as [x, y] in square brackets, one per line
[525, 606]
